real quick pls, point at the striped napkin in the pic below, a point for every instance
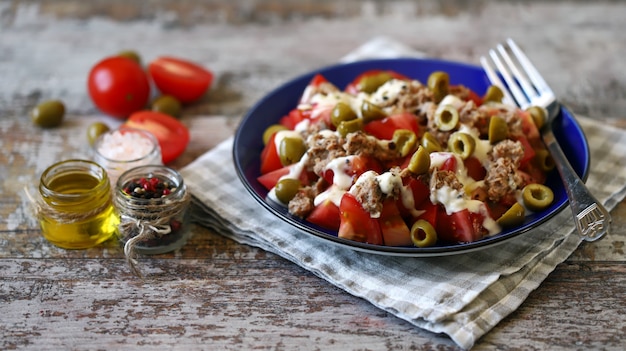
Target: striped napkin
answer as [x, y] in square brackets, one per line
[463, 296]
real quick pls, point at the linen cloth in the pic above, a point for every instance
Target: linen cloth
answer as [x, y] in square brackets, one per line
[463, 296]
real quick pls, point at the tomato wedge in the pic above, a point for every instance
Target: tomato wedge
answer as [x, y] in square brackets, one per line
[172, 135]
[356, 223]
[326, 215]
[394, 230]
[270, 160]
[383, 129]
[179, 78]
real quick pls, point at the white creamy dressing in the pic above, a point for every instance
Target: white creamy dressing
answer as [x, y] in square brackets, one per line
[388, 91]
[483, 147]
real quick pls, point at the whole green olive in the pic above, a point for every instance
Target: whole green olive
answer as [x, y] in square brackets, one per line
[291, 150]
[167, 104]
[286, 189]
[493, 94]
[130, 54]
[538, 114]
[404, 140]
[340, 113]
[420, 161]
[439, 84]
[371, 112]
[513, 217]
[537, 197]
[446, 118]
[346, 127]
[95, 130]
[430, 143]
[48, 114]
[370, 84]
[498, 129]
[271, 130]
[423, 234]
[462, 144]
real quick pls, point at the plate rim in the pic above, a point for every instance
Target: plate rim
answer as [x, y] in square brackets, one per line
[435, 251]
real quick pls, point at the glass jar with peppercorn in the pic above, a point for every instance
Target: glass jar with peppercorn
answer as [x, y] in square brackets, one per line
[152, 202]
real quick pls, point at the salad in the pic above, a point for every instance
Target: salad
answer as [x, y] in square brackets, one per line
[389, 160]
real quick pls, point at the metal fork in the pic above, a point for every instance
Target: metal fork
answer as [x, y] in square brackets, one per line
[525, 87]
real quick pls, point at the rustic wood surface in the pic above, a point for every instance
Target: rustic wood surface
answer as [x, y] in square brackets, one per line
[214, 293]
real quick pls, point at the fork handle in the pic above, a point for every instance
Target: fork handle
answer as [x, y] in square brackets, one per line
[593, 221]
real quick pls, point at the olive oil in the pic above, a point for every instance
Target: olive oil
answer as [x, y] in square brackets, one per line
[76, 211]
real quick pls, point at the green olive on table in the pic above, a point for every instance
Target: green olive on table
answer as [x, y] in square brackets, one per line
[370, 84]
[420, 161]
[271, 130]
[371, 112]
[423, 234]
[537, 197]
[346, 127]
[462, 144]
[130, 54]
[439, 83]
[95, 130]
[167, 104]
[498, 129]
[430, 143]
[493, 94]
[342, 112]
[290, 150]
[513, 217]
[48, 114]
[286, 189]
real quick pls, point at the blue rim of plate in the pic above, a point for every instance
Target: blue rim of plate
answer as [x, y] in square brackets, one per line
[248, 145]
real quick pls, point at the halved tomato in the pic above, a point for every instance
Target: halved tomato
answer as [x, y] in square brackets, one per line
[180, 78]
[172, 135]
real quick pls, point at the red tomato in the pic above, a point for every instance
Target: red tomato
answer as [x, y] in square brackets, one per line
[358, 165]
[474, 168]
[269, 179]
[420, 193]
[394, 230]
[449, 164]
[475, 97]
[172, 135]
[317, 80]
[461, 227]
[529, 152]
[118, 86]
[356, 223]
[270, 160]
[326, 215]
[182, 79]
[352, 88]
[383, 129]
[294, 117]
[430, 213]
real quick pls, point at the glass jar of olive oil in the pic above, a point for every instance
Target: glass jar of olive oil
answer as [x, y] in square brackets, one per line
[76, 211]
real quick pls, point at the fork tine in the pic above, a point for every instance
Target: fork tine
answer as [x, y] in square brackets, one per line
[520, 77]
[530, 69]
[512, 84]
[494, 78]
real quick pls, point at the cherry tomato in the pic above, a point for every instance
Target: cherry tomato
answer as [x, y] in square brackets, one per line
[182, 79]
[118, 86]
[172, 135]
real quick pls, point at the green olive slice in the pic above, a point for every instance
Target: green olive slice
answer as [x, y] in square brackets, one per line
[439, 83]
[48, 114]
[493, 94]
[420, 161]
[462, 144]
[404, 140]
[291, 150]
[371, 112]
[544, 160]
[286, 189]
[370, 84]
[446, 118]
[498, 129]
[271, 130]
[423, 234]
[537, 197]
[340, 113]
[539, 115]
[348, 127]
[430, 143]
[513, 217]
[95, 130]
[167, 104]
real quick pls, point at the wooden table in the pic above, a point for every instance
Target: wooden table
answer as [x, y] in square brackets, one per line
[214, 293]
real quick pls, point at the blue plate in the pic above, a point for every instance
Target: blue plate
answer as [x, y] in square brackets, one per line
[248, 145]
